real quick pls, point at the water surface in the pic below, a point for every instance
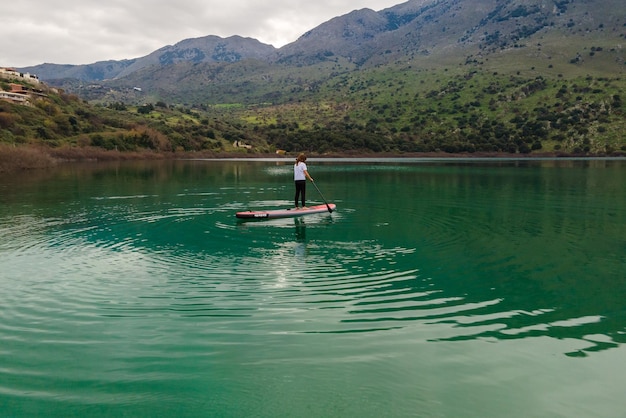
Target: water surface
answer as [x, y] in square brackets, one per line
[437, 289]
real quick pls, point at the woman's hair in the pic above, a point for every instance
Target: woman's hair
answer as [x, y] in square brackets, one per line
[301, 158]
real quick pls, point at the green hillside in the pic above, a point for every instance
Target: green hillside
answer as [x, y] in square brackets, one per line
[509, 77]
[395, 110]
[425, 111]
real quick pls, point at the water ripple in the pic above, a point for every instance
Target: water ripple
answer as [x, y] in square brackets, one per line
[156, 297]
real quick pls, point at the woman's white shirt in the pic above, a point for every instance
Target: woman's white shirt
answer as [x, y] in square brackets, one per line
[298, 171]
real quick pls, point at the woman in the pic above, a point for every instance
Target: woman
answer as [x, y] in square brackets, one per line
[300, 174]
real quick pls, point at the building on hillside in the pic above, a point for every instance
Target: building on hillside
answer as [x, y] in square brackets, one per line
[18, 94]
[18, 88]
[12, 73]
[21, 94]
[239, 144]
[18, 98]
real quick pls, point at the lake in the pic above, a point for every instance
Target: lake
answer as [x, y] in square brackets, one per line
[439, 288]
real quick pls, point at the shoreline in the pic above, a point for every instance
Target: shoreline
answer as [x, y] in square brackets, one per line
[19, 158]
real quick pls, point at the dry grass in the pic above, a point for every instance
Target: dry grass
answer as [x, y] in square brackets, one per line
[16, 158]
[29, 157]
[99, 154]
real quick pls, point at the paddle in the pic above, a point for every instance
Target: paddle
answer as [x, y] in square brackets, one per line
[318, 190]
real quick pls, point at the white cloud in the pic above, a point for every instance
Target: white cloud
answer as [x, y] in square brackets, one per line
[85, 31]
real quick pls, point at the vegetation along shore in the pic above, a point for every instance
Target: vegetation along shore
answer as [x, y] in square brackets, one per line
[518, 80]
[582, 117]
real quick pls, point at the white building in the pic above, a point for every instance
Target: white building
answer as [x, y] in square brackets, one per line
[10, 72]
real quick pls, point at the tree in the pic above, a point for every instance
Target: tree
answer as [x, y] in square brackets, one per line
[145, 109]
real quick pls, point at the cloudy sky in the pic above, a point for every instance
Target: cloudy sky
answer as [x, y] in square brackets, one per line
[85, 31]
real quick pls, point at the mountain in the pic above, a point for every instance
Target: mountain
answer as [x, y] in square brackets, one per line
[97, 71]
[449, 30]
[514, 76]
[435, 32]
[208, 49]
[470, 76]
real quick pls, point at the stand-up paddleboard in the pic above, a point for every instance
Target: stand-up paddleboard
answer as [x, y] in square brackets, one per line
[284, 213]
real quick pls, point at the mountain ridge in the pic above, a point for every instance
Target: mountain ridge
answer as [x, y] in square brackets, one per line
[451, 29]
[514, 76]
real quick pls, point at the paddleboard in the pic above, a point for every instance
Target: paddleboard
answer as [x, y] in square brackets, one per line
[284, 213]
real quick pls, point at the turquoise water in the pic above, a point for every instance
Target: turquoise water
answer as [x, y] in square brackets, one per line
[437, 289]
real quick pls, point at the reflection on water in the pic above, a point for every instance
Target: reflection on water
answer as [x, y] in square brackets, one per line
[132, 289]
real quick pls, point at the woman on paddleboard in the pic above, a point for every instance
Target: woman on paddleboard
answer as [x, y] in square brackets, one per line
[300, 174]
